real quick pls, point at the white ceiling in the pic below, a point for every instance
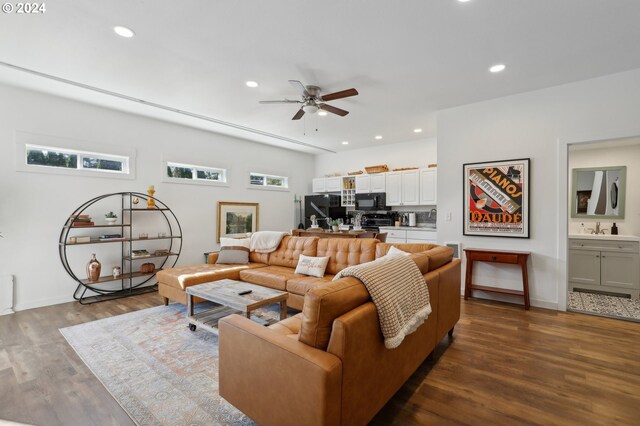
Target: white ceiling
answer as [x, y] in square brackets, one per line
[408, 59]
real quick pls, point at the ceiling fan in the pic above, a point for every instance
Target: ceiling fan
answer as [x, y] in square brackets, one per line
[312, 101]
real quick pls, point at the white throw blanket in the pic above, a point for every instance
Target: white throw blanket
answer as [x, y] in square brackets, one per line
[266, 241]
[398, 290]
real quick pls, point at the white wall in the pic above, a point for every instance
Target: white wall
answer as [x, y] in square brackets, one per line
[418, 153]
[34, 206]
[536, 125]
[608, 157]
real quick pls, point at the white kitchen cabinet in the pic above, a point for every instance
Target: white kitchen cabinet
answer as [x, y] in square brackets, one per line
[411, 234]
[403, 188]
[410, 188]
[393, 188]
[363, 184]
[428, 187]
[366, 184]
[604, 265]
[319, 185]
[330, 184]
[378, 183]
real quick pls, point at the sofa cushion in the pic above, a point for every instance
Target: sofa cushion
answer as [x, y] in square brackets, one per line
[185, 276]
[301, 285]
[325, 303]
[288, 326]
[291, 248]
[269, 276]
[346, 252]
[234, 251]
[438, 255]
[312, 266]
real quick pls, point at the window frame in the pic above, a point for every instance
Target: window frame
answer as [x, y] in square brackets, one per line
[266, 176]
[82, 149]
[195, 180]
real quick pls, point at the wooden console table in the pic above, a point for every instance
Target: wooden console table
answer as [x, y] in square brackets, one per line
[497, 256]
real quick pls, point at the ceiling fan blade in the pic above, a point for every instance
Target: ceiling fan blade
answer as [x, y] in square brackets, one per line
[284, 101]
[334, 110]
[298, 115]
[299, 87]
[339, 95]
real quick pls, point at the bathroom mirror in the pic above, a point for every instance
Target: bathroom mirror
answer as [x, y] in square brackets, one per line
[598, 192]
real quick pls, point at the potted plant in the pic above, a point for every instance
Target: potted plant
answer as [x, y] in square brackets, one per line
[111, 218]
[335, 225]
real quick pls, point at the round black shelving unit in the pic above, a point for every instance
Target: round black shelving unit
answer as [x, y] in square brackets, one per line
[132, 281]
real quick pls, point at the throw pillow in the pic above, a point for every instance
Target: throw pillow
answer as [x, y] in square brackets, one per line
[234, 251]
[396, 251]
[313, 266]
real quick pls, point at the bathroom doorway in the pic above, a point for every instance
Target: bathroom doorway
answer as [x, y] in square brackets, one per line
[603, 228]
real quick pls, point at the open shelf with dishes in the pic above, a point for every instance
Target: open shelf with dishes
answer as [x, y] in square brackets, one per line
[161, 231]
[348, 191]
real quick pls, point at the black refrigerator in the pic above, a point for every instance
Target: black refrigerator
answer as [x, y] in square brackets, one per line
[323, 206]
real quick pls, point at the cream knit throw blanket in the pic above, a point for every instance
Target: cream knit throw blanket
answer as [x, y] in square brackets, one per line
[398, 290]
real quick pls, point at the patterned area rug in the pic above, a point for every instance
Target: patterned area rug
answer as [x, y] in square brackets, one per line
[159, 372]
[603, 305]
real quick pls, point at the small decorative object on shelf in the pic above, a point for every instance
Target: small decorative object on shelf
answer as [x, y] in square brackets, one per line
[111, 218]
[83, 239]
[335, 225]
[72, 240]
[162, 234]
[143, 235]
[139, 253]
[93, 268]
[357, 222]
[81, 220]
[147, 268]
[116, 272]
[161, 252]
[135, 201]
[151, 204]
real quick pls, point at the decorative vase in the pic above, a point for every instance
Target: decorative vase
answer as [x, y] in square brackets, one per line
[147, 268]
[151, 203]
[335, 228]
[111, 220]
[93, 269]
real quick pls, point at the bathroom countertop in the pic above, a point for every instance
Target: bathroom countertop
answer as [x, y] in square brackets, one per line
[604, 237]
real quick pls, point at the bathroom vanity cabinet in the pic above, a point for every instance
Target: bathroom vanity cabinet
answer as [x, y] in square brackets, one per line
[607, 265]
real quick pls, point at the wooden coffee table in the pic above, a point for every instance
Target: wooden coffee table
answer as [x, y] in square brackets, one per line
[225, 293]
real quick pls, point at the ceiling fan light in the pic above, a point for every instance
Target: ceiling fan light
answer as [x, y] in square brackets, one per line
[322, 113]
[310, 109]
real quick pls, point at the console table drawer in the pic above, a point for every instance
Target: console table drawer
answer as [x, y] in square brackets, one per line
[495, 257]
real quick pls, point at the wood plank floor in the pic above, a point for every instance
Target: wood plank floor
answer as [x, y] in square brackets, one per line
[505, 366]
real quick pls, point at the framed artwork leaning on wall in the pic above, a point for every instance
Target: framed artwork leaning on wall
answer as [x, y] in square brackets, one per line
[236, 219]
[496, 198]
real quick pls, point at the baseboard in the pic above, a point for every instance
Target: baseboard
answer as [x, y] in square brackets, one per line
[43, 302]
[7, 312]
[545, 304]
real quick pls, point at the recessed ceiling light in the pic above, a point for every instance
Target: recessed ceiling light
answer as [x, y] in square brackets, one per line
[345, 142]
[497, 68]
[124, 31]
[417, 130]
[251, 83]
[322, 113]
[378, 137]
[463, 1]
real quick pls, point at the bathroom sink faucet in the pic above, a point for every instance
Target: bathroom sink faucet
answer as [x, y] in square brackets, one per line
[597, 230]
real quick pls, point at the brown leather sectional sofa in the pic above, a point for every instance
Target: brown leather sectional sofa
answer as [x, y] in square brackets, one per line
[328, 364]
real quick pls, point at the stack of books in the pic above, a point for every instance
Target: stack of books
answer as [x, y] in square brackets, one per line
[109, 237]
[81, 220]
[139, 253]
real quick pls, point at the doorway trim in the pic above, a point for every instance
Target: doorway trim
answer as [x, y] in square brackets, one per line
[563, 205]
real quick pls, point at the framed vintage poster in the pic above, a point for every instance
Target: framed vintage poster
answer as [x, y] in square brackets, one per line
[236, 219]
[496, 198]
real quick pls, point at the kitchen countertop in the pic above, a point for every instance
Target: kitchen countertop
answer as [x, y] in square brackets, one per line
[411, 228]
